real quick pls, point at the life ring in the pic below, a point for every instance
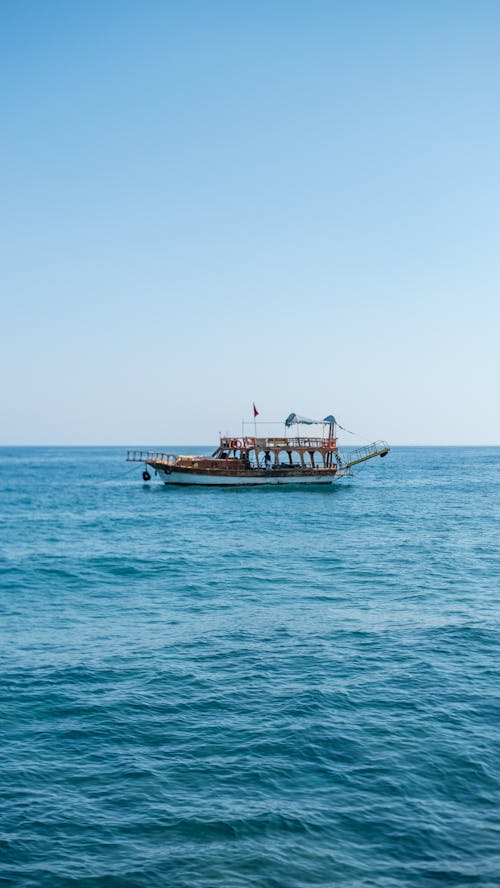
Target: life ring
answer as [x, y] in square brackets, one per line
[235, 444]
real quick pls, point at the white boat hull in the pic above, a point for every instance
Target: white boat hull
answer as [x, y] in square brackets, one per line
[191, 478]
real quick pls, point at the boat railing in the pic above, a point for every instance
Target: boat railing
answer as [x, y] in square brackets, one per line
[285, 443]
[311, 443]
[148, 456]
[157, 457]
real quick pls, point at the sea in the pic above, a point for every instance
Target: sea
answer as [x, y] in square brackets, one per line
[276, 687]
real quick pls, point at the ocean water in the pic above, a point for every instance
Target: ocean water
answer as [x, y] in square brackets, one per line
[260, 687]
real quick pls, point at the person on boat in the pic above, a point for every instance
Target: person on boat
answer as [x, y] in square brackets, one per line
[267, 460]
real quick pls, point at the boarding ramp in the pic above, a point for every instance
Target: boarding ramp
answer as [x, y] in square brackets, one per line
[361, 454]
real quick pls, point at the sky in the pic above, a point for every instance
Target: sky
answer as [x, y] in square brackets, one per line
[208, 204]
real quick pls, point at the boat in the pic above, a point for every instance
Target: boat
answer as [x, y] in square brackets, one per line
[291, 458]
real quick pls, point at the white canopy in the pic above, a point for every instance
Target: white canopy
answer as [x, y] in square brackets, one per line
[294, 419]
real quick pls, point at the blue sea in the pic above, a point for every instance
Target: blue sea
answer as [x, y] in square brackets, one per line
[258, 687]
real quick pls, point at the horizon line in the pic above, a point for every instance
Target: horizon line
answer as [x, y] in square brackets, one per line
[154, 446]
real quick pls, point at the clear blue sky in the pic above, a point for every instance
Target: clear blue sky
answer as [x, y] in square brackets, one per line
[206, 204]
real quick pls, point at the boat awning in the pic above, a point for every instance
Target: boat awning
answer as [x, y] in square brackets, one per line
[294, 419]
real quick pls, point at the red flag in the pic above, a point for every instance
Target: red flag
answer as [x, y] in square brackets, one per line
[255, 411]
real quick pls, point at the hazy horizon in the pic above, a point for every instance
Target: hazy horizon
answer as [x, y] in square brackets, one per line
[155, 445]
